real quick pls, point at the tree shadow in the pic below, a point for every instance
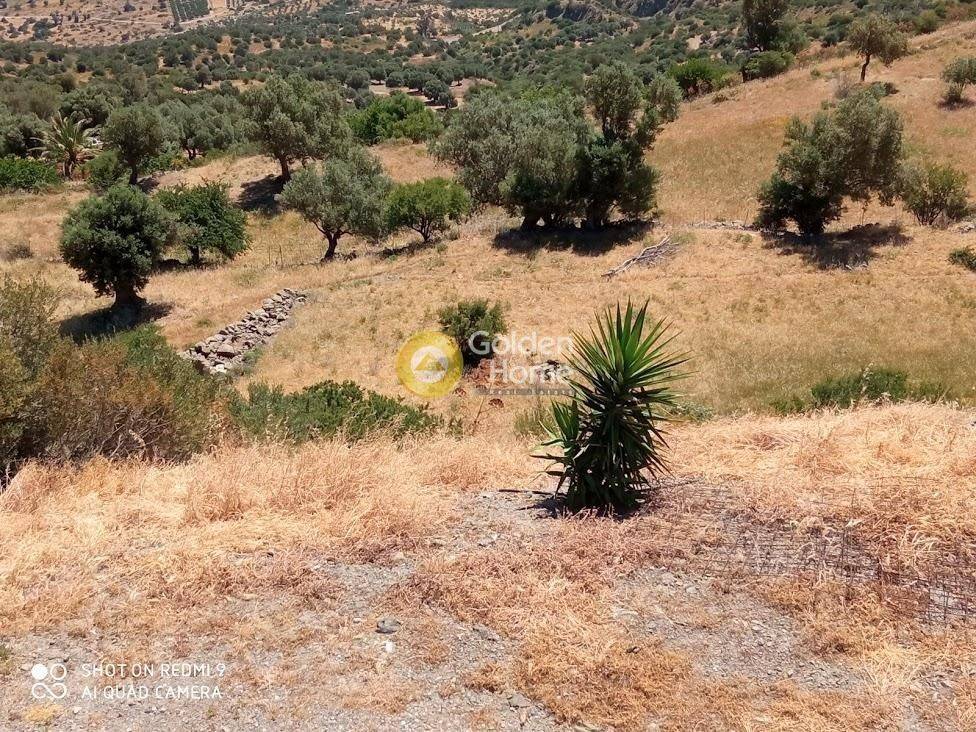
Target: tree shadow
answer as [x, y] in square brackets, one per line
[261, 195]
[407, 250]
[650, 499]
[841, 249]
[580, 241]
[107, 322]
[964, 103]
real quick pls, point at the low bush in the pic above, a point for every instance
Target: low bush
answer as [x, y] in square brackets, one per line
[325, 410]
[473, 324]
[126, 396]
[958, 74]
[697, 76]
[395, 116]
[935, 194]
[104, 171]
[17, 251]
[964, 257]
[27, 174]
[868, 386]
[766, 64]
[927, 21]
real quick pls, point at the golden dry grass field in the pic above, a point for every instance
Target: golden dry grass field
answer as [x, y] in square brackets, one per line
[278, 562]
[275, 561]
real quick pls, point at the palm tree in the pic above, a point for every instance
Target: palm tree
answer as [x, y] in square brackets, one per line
[68, 142]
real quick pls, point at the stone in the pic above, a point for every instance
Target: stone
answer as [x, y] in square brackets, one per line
[387, 626]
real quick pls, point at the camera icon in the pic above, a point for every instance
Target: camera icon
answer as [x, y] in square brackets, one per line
[49, 681]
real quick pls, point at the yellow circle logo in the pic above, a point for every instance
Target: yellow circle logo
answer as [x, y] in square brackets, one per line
[429, 364]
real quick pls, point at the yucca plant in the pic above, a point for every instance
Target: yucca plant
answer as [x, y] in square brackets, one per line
[610, 435]
[68, 142]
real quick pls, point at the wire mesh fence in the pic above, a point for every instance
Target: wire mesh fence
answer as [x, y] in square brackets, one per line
[710, 529]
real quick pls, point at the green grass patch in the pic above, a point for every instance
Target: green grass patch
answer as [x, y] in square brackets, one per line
[868, 386]
[327, 409]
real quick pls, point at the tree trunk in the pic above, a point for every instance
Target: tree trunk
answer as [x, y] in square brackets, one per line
[333, 240]
[126, 297]
[133, 175]
[864, 68]
[285, 170]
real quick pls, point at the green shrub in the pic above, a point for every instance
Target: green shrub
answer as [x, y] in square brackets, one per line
[325, 410]
[766, 64]
[206, 220]
[473, 324]
[127, 396]
[953, 95]
[610, 435]
[697, 76]
[868, 386]
[935, 194]
[428, 207]
[28, 334]
[959, 73]
[104, 171]
[927, 21]
[27, 324]
[395, 116]
[27, 174]
[964, 257]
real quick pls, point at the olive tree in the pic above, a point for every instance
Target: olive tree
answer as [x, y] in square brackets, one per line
[761, 20]
[519, 152]
[296, 119]
[343, 195]
[136, 133]
[874, 35]
[612, 171]
[206, 221]
[854, 152]
[115, 240]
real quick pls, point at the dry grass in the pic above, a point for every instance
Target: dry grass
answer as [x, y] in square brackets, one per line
[106, 542]
[142, 550]
[905, 473]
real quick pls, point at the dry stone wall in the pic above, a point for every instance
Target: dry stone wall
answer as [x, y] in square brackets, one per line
[226, 350]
